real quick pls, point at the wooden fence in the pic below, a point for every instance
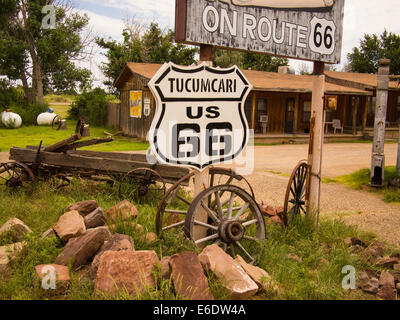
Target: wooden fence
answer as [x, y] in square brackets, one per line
[113, 115]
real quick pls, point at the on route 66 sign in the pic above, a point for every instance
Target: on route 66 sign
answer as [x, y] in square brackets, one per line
[200, 117]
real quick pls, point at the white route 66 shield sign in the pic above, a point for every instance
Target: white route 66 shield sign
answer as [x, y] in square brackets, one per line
[200, 119]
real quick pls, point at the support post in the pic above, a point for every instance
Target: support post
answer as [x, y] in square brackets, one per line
[365, 113]
[201, 178]
[378, 147]
[398, 157]
[355, 111]
[317, 140]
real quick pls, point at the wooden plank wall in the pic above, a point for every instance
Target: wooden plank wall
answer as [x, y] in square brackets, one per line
[135, 127]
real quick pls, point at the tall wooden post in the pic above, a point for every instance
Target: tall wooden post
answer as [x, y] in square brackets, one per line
[201, 178]
[378, 147]
[316, 141]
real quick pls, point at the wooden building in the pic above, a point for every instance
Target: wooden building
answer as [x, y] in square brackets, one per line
[284, 98]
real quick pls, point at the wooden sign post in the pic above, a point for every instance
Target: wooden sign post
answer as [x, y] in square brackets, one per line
[378, 146]
[201, 178]
[316, 141]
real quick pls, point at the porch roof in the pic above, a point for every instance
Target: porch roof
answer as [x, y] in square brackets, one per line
[261, 80]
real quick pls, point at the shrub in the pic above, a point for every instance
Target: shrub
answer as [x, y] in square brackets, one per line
[13, 98]
[92, 106]
[29, 112]
[9, 95]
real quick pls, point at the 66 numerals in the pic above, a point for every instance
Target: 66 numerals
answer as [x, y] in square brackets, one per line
[186, 140]
[322, 37]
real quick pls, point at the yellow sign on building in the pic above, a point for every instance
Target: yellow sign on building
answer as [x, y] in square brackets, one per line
[135, 104]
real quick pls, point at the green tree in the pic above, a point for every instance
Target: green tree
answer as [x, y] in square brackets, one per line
[373, 47]
[247, 60]
[33, 53]
[151, 45]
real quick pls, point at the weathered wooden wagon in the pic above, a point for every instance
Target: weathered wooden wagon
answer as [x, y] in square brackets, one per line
[63, 160]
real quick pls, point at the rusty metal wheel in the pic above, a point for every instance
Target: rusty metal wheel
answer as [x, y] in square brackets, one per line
[295, 197]
[56, 123]
[173, 208]
[146, 181]
[235, 224]
[15, 174]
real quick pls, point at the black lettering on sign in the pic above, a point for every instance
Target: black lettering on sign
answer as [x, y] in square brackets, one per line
[219, 138]
[190, 115]
[191, 138]
[212, 112]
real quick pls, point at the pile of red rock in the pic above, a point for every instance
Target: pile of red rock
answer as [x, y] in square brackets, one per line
[273, 214]
[385, 284]
[115, 265]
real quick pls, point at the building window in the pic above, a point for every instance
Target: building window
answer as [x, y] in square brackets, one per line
[306, 111]
[262, 107]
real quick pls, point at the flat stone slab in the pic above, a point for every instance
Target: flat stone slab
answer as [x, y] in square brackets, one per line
[70, 225]
[188, 277]
[6, 254]
[16, 228]
[80, 250]
[45, 273]
[123, 211]
[117, 242]
[259, 276]
[95, 219]
[130, 270]
[84, 207]
[238, 282]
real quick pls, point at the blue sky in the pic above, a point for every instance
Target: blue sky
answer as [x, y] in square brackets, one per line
[107, 19]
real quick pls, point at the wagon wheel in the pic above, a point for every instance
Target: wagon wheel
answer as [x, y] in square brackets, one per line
[236, 224]
[147, 181]
[56, 123]
[15, 174]
[295, 198]
[172, 209]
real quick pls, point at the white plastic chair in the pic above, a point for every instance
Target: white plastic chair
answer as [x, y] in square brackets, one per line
[336, 125]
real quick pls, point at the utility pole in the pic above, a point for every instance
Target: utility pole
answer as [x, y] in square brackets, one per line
[378, 147]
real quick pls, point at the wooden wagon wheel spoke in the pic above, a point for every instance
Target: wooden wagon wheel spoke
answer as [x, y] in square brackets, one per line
[174, 199]
[210, 213]
[230, 228]
[295, 193]
[248, 255]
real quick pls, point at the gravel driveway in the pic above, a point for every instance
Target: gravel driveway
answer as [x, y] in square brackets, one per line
[364, 209]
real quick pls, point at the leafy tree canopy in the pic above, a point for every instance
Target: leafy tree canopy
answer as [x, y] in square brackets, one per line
[246, 60]
[373, 47]
[151, 45]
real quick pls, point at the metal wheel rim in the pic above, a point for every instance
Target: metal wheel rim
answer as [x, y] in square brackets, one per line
[218, 224]
[16, 179]
[135, 173]
[295, 197]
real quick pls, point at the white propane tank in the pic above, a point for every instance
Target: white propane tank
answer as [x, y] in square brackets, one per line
[11, 119]
[46, 118]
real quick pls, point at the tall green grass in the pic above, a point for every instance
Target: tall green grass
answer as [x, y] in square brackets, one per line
[322, 251]
[361, 179]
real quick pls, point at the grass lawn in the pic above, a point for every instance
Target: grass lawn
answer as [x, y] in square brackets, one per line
[361, 179]
[316, 274]
[32, 135]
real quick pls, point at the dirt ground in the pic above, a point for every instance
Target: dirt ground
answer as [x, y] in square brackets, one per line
[366, 210]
